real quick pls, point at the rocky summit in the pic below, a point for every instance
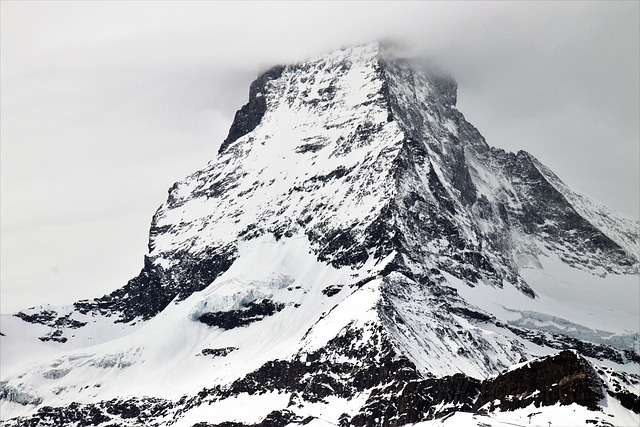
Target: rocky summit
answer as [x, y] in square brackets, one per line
[355, 255]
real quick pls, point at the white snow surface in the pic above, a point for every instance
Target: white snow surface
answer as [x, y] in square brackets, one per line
[556, 416]
[162, 357]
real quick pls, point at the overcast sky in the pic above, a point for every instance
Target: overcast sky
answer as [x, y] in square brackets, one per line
[105, 105]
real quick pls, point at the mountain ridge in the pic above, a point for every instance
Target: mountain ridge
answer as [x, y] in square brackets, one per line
[355, 235]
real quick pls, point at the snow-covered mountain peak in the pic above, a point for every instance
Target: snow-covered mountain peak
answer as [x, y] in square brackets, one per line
[355, 247]
[310, 87]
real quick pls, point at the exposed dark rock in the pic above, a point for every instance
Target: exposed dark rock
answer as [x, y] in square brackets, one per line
[250, 115]
[341, 248]
[402, 403]
[154, 288]
[252, 312]
[134, 411]
[309, 148]
[337, 173]
[564, 378]
[124, 409]
[332, 290]
[218, 352]
[52, 319]
[471, 314]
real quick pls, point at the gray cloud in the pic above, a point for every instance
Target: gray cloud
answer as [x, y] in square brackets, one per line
[105, 105]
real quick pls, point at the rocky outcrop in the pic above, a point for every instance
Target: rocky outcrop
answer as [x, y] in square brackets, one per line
[564, 378]
[250, 115]
[252, 312]
[115, 412]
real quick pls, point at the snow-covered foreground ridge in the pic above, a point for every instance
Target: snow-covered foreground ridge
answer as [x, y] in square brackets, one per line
[356, 255]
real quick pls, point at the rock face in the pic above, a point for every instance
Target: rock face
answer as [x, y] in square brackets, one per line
[564, 378]
[356, 245]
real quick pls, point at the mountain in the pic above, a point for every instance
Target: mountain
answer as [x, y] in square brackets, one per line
[356, 254]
